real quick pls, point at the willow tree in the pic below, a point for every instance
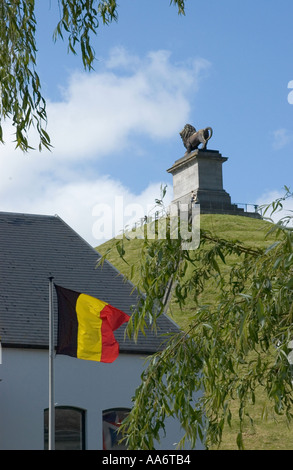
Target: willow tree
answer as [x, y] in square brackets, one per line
[21, 98]
[237, 343]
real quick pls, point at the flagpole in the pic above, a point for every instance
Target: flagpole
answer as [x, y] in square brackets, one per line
[51, 440]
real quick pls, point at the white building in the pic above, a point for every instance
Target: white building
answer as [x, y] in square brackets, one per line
[90, 397]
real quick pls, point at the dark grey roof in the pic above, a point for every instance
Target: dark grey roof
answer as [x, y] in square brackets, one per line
[34, 247]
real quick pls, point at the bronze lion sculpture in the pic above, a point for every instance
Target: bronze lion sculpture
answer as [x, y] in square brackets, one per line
[192, 138]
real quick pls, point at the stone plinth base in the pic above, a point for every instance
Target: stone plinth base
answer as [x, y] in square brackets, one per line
[198, 177]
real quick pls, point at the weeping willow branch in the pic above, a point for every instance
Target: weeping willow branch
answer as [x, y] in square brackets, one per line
[231, 347]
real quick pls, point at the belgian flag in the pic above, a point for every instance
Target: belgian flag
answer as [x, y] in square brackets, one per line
[86, 325]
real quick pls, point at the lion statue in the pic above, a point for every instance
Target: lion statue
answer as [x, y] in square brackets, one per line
[192, 138]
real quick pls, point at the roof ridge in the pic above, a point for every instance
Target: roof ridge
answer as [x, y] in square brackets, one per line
[27, 214]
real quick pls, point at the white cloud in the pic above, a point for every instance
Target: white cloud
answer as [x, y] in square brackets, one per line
[274, 195]
[101, 110]
[29, 185]
[100, 113]
[281, 137]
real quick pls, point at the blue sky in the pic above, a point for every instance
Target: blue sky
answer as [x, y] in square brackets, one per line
[226, 64]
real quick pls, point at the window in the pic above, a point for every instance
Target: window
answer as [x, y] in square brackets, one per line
[112, 420]
[69, 428]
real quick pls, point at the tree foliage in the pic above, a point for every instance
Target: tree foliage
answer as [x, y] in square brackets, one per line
[21, 98]
[239, 343]
[20, 90]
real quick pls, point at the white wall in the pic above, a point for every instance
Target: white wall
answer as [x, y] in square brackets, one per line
[24, 394]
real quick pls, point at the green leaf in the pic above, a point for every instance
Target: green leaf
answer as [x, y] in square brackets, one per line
[289, 284]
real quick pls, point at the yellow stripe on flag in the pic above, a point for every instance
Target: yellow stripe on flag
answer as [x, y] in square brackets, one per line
[86, 326]
[89, 338]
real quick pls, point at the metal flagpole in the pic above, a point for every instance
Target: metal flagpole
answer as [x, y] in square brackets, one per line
[51, 440]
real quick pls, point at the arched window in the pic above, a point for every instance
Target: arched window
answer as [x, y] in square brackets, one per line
[69, 428]
[112, 420]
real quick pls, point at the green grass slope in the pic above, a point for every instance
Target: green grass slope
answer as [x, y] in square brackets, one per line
[245, 229]
[266, 434]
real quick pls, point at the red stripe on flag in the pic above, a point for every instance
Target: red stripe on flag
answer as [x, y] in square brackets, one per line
[112, 318]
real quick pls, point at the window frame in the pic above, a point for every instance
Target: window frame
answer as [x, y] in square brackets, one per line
[82, 413]
[111, 410]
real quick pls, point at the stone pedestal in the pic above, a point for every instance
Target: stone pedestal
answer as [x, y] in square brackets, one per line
[200, 173]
